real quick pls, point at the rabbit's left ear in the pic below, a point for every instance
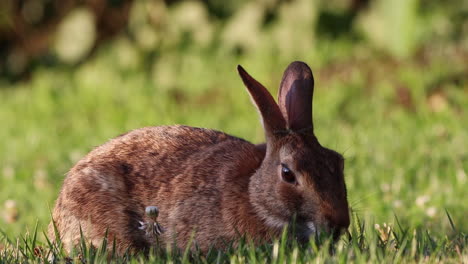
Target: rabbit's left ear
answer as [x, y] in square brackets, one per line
[295, 96]
[272, 118]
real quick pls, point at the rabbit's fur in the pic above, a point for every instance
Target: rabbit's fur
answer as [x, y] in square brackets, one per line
[209, 186]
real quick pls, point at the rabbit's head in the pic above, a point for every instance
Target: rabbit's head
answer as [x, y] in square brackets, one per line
[299, 180]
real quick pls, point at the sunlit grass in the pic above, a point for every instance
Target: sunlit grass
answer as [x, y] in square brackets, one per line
[363, 244]
[401, 125]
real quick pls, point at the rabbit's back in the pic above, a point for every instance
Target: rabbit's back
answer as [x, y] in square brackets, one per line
[187, 172]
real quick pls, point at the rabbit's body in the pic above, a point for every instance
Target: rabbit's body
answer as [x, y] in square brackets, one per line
[179, 176]
[210, 186]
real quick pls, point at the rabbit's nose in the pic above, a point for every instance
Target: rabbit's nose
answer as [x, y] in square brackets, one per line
[338, 221]
[338, 227]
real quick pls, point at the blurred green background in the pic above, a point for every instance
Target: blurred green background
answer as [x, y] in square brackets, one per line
[391, 90]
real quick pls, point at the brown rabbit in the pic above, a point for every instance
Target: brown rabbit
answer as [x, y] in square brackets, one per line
[208, 185]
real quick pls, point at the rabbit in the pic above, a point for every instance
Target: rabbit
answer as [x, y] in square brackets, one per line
[211, 188]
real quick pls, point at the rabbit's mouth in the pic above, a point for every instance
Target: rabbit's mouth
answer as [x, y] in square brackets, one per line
[311, 228]
[305, 230]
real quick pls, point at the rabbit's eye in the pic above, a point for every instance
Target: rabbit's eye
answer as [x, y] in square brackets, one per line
[287, 175]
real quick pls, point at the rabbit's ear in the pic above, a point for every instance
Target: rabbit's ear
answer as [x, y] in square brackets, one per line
[295, 96]
[272, 118]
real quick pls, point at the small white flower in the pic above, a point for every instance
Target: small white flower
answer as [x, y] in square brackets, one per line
[422, 200]
[151, 227]
[461, 176]
[397, 203]
[11, 212]
[385, 187]
[431, 211]
[152, 211]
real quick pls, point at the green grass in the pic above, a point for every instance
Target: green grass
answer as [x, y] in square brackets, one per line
[364, 244]
[401, 123]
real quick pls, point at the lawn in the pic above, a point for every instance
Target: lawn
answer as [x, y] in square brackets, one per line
[400, 120]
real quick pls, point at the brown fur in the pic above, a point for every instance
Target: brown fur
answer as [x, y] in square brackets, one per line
[207, 184]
